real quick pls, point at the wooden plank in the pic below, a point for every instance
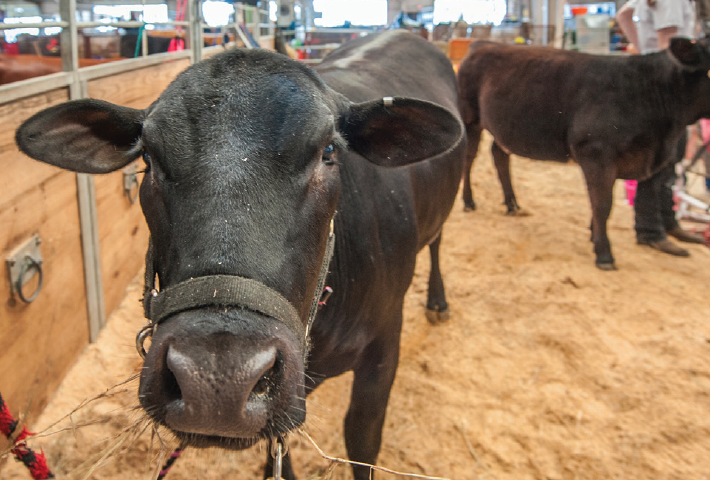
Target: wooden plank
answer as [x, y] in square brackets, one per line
[41, 340]
[138, 88]
[123, 233]
[17, 172]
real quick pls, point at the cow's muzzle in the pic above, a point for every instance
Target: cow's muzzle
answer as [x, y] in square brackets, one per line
[224, 378]
[231, 363]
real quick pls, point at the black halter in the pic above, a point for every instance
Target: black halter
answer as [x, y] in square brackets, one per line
[226, 290]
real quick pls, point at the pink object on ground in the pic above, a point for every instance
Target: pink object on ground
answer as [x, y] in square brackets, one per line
[630, 186]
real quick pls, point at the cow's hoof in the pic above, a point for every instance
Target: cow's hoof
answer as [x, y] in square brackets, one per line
[436, 317]
[518, 212]
[469, 206]
[608, 267]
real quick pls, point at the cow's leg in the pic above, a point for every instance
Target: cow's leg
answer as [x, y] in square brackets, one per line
[600, 184]
[286, 468]
[502, 163]
[474, 137]
[437, 310]
[368, 402]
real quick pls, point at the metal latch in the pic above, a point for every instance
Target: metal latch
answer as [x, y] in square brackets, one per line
[22, 265]
[130, 182]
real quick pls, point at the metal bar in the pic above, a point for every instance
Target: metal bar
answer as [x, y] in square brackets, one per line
[69, 37]
[9, 26]
[695, 202]
[129, 24]
[144, 35]
[196, 40]
[244, 38]
[86, 194]
[327, 46]
[88, 218]
[33, 86]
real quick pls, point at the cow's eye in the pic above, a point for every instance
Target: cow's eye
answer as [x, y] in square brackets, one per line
[329, 154]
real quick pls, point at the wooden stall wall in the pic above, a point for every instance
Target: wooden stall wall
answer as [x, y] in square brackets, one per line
[123, 233]
[38, 341]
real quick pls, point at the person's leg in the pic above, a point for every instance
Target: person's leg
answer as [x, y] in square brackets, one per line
[649, 221]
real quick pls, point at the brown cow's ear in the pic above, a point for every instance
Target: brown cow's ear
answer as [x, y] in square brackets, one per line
[87, 136]
[690, 53]
[393, 132]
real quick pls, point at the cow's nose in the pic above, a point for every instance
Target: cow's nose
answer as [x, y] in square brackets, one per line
[221, 393]
[224, 375]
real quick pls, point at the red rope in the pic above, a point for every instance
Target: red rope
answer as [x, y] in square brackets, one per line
[35, 462]
[168, 465]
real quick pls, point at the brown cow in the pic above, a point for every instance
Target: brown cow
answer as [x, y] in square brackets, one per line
[618, 117]
[11, 71]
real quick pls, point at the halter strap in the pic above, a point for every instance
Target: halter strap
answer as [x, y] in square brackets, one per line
[226, 290]
[220, 290]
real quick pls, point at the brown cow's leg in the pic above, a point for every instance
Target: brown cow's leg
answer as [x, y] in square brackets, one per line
[437, 310]
[600, 183]
[502, 163]
[368, 402]
[474, 137]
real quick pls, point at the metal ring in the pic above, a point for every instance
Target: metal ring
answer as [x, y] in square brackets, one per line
[143, 333]
[29, 263]
[277, 453]
[280, 441]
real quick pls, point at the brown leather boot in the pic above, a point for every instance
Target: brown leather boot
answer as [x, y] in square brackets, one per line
[686, 236]
[666, 246]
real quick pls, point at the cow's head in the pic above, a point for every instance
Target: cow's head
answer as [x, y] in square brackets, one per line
[242, 155]
[693, 56]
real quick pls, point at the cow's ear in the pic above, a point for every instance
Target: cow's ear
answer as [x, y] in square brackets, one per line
[397, 131]
[87, 136]
[690, 53]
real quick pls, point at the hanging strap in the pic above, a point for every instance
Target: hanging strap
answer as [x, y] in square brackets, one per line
[329, 249]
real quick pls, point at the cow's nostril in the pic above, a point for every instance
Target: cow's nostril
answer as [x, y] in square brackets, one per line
[171, 386]
[266, 383]
[262, 386]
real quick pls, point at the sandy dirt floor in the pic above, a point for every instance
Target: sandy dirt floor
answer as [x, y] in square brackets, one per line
[547, 369]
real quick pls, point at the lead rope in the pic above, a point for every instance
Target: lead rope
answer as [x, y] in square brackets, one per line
[35, 462]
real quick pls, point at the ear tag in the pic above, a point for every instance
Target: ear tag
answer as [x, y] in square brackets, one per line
[708, 73]
[388, 101]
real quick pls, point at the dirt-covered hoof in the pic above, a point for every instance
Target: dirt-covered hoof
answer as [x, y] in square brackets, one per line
[469, 206]
[606, 266]
[436, 317]
[518, 212]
